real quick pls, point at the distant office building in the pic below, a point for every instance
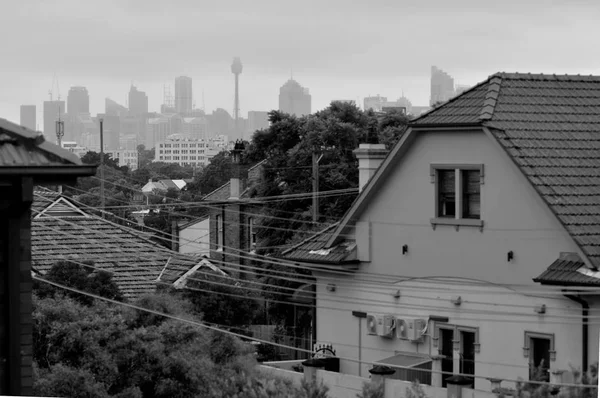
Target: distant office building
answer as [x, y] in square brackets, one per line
[183, 94]
[74, 147]
[128, 142]
[52, 109]
[257, 120]
[111, 128]
[194, 128]
[78, 101]
[442, 86]
[28, 116]
[113, 108]
[138, 102]
[159, 128]
[375, 103]
[393, 108]
[185, 152]
[125, 157]
[220, 122]
[419, 110]
[460, 88]
[294, 99]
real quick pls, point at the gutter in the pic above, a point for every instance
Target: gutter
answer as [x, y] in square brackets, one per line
[585, 310]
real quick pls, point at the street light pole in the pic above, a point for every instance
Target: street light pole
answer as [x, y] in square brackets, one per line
[102, 165]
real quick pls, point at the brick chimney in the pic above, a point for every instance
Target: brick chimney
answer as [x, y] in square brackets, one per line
[370, 157]
[239, 174]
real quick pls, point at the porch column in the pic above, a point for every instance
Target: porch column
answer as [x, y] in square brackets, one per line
[436, 370]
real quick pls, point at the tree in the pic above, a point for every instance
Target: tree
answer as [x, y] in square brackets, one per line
[81, 276]
[94, 158]
[145, 156]
[211, 177]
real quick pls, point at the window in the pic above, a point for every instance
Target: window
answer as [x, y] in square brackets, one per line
[458, 194]
[219, 240]
[251, 233]
[539, 348]
[464, 340]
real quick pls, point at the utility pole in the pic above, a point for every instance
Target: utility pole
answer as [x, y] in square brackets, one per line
[316, 157]
[60, 132]
[102, 165]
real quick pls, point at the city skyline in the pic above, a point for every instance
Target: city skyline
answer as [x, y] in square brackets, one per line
[106, 64]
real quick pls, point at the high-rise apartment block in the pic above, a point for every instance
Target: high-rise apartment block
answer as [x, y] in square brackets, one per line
[52, 110]
[442, 86]
[183, 95]
[294, 99]
[28, 116]
[138, 102]
[186, 152]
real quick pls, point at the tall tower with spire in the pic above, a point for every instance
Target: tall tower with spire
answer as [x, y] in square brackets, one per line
[236, 69]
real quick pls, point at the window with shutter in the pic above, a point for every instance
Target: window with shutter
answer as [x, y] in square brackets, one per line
[471, 199]
[446, 193]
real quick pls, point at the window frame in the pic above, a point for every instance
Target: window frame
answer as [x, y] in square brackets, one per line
[458, 220]
[528, 335]
[251, 233]
[220, 236]
[457, 336]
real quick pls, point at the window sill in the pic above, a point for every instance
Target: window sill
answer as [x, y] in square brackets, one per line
[457, 222]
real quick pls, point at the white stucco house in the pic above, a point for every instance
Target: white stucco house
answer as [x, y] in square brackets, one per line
[472, 243]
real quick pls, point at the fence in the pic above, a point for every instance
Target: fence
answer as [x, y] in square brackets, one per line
[348, 386]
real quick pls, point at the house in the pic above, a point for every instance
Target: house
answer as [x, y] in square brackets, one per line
[26, 159]
[472, 240]
[231, 219]
[163, 185]
[61, 230]
[192, 237]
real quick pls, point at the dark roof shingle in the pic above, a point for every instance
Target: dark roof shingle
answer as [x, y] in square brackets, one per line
[313, 250]
[565, 271]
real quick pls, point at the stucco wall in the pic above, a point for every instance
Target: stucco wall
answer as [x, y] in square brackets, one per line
[515, 218]
[195, 239]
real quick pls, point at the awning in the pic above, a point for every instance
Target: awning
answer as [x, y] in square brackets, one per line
[405, 360]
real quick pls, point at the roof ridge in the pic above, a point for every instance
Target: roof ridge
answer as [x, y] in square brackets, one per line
[491, 97]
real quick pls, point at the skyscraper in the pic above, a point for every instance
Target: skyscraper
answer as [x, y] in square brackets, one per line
[183, 94]
[294, 99]
[28, 116]
[52, 109]
[257, 120]
[442, 86]
[138, 102]
[78, 101]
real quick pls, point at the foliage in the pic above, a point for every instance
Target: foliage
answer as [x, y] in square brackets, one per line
[92, 157]
[372, 390]
[232, 305]
[211, 177]
[83, 277]
[415, 390]
[145, 156]
[106, 351]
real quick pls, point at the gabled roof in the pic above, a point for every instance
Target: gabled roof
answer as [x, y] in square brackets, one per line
[135, 262]
[548, 125]
[569, 270]
[223, 192]
[25, 152]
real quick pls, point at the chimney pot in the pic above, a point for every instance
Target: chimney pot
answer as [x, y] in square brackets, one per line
[370, 157]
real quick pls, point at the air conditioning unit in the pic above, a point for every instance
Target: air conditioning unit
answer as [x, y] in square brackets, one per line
[374, 323]
[401, 329]
[415, 329]
[388, 326]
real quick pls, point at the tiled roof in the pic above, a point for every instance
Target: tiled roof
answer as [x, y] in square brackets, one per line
[223, 192]
[21, 147]
[312, 250]
[568, 272]
[550, 126]
[135, 262]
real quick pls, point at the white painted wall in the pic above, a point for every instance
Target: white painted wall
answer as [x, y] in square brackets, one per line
[195, 239]
[516, 219]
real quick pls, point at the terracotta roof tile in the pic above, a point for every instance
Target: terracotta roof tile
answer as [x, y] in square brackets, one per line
[566, 272]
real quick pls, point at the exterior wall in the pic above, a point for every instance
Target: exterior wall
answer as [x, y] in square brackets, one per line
[515, 219]
[195, 238]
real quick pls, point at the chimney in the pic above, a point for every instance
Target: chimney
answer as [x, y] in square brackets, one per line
[370, 157]
[238, 173]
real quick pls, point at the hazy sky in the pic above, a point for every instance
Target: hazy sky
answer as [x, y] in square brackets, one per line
[338, 49]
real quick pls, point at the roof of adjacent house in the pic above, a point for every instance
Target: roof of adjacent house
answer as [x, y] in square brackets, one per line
[313, 250]
[135, 261]
[569, 270]
[223, 192]
[549, 126]
[26, 152]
